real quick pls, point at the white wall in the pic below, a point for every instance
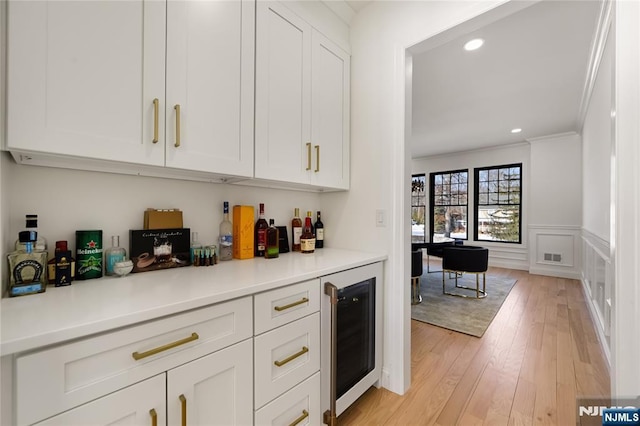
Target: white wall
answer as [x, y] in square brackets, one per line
[555, 207]
[380, 165]
[500, 254]
[70, 200]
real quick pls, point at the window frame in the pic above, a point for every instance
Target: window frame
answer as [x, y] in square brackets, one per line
[476, 201]
[432, 177]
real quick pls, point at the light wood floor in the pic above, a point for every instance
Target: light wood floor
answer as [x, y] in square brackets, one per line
[539, 353]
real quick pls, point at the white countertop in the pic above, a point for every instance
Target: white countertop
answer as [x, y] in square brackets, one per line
[94, 306]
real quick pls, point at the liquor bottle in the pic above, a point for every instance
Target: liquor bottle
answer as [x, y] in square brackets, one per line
[58, 272]
[296, 230]
[319, 231]
[113, 254]
[260, 233]
[313, 231]
[226, 235]
[273, 241]
[307, 239]
[194, 248]
[27, 268]
[40, 243]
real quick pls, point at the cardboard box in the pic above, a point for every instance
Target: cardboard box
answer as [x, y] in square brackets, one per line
[243, 223]
[162, 219]
[153, 249]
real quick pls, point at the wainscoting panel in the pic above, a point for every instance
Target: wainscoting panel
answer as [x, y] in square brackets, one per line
[597, 284]
[555, 251]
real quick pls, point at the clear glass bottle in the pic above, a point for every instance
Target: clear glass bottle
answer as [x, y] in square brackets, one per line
[273, 241]
[319, 231]
[296, 230]
[31, 225]
[260, 233]
[226, 235]
[307, 239]
[113, 254]
[194, 249]
[27, 268]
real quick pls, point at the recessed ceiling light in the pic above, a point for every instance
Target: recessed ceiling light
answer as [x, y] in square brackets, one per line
[474, 44]
[516, 130]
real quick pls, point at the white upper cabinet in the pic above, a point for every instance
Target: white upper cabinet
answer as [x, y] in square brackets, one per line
[302, 102]
[330, 113]
[88, 79]
[82, 77]
[210, 47]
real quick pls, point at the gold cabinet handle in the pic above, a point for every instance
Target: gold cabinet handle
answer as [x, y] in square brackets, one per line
[138, 356]
[154, 417]
[303, 351]
[308, 156]
[183, 409]
[304, 415]
[317, 159]
[291, 305]
[177, 108]
[156, 107]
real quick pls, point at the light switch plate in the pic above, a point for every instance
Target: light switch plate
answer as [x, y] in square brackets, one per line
[381, 218]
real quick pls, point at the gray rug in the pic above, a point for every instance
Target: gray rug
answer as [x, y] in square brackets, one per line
[465, 315]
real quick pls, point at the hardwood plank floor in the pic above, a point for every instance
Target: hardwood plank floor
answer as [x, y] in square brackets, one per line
[538, 355]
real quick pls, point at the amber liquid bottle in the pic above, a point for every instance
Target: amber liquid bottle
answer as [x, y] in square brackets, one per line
[307, 239]
[261, 233]
[273, 241]
[296, 230]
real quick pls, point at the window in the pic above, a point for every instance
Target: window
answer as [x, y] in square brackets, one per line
[497, 203]
[418, 208]
[448, 204]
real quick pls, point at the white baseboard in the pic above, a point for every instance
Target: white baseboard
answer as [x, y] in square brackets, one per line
[555, 272]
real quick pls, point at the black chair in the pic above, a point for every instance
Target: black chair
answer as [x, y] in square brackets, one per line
[416, 272]
[469, 259]
[436, 249]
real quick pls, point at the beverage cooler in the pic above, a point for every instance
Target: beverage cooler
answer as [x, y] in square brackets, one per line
[351, 313]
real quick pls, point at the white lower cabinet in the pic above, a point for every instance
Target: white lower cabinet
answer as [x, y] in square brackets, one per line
[287, 355]
[213, 390]
[142, 404]
[299, 406]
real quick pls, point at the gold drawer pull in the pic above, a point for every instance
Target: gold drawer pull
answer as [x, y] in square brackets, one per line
[155, 119]
[303, 351]
[291, 305]
[154, 417]
[317, 159]
[304, 415]
[308, 156]
[183, 404]
[138, 356]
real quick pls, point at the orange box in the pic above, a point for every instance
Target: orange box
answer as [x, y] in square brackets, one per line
[243, 223]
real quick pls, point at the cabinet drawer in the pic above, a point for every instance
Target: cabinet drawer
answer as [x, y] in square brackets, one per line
[283, 305]
[299, 406]
[285, 357]
[68, 375]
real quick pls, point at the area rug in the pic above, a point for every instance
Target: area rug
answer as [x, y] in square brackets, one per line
[465, 315]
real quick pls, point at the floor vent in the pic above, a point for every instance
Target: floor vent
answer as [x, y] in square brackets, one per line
[552, 257]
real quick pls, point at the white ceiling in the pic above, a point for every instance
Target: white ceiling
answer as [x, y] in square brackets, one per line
[530, 73]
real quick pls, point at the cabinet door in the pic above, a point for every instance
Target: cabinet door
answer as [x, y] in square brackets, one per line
[283, 95]
[131, 406]
[330, 114]
[82, 78]
[213, 390]
[210, 48]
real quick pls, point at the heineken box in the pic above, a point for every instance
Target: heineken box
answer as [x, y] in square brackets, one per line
[153, 249]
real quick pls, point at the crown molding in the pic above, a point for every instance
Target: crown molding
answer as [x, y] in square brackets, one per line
[554, 136]
[597, 49]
